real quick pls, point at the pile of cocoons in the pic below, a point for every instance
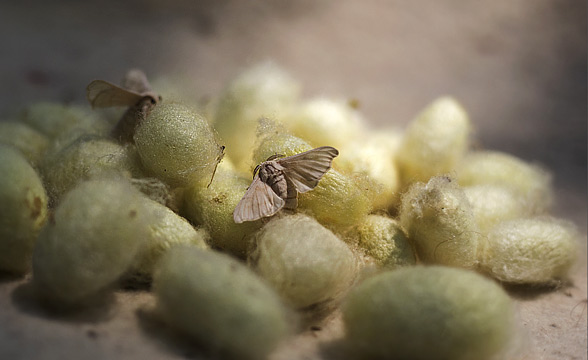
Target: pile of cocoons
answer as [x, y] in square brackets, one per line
[409, 235]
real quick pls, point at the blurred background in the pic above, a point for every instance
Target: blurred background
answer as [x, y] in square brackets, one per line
[519, 67]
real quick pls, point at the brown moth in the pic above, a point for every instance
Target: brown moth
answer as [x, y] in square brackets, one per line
[278, 180]
[136, 93]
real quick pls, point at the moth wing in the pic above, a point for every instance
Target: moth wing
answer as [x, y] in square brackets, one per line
[305, 170]
[136, 80]
[101, 93]
[259, 201]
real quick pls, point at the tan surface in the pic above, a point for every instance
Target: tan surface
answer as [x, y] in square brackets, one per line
[519, 67]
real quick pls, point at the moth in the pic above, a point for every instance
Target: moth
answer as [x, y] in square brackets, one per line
[135, 92]
[278, 180]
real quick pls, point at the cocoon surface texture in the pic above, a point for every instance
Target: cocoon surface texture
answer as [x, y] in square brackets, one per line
[423, 313]
[23, 210]
[439, 221]
[91, 240]
[534, 251]
[29, 141]
[305, 262]
[220, 303]
[177, 145]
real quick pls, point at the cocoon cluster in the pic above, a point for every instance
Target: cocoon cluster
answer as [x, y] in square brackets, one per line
[383, 240]
[531, 182]
[530, 251]
[337, 200]
[423, 313]
[220, 303]
[435, 141]
[325, 122]
[29, 141]
[212, 207]
[89, 156]
[439, 220]
[23, 210]
[177, 145]
[264, 90]
[90, 241]
[305, 262]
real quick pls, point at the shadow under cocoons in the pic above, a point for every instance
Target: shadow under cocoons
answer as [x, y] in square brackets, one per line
[98, 308]
[533, 291]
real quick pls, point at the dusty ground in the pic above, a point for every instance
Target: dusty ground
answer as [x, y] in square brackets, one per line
[519, 68]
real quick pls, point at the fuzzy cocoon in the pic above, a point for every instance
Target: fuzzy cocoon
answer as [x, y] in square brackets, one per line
[177, 145]
[29, 141]
[530, 251]
[435, 141]
[220, 303]
[167, 230]
[440, 222]
[87, 157]
[423, 313]
[531, 182]
[493, 204]
[23, 210]
[325, 122]
[212, 207]
[90, 241]
[338, 201]
[305, 262]
[383, 240]
[263, 90]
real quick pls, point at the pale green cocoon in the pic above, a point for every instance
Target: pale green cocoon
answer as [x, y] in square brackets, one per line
[91, 240]
[212, 207]
[87, 157]
[338, 201]
[220, 303]
[530, 251]
[439, 221]
[168, 229]
[23, 210]
[177, 145]
[264, 90]
[305, 262]
[435, 141]
[374, 156]
[59, 121]
[383, 240]
[531, 182]
[324, 122]
[492, 204]
[26, 139]
[423, 313]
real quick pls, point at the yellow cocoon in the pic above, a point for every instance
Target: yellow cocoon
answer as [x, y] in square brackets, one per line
[177, 145]
[59, 121]
[87, 157]
[23, 210]
[439, 221]
[90, 241]
[383, 240]
[492, 204]
[305, 262]
[374, 156]
[168, 229]
[263, 90]
[325, 122]
[434, 142]
[531, 182]
[423, 313]
[220, 303]
[212, 207]
[530, 251]
[26, 139]
[337, 201]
